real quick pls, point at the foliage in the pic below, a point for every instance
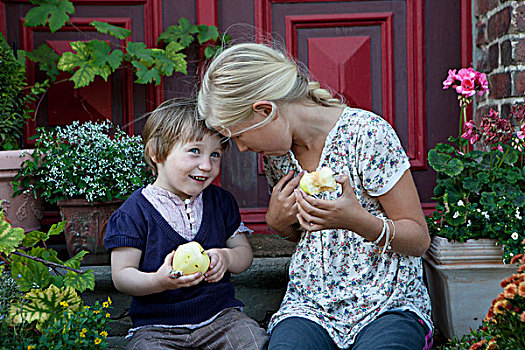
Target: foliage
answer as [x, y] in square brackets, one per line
[481, 193]
[93, 161]
[504, 325]
[40, 307]
[15, 97]
[99, 58]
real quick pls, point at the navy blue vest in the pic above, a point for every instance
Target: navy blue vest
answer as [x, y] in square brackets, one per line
[138, 224]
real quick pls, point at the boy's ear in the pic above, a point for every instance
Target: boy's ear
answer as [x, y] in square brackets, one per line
[264, 107]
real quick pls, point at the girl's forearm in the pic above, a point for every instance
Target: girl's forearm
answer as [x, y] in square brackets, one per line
[240, 258]
[131, 281]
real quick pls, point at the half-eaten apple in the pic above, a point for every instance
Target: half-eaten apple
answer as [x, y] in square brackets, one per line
[318, 181]
[190, 258]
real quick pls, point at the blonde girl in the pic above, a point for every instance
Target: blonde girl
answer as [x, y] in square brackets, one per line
[356, 276]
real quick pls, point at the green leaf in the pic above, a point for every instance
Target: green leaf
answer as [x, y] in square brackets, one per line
[10, 237]
[182, 33]
[57, 228]
[139, 50]
[106, 28]
[145, 75]
[115, 59]
[207, 33]
[44, 305]
[29, 274]
[33, 237]
[80, 282]
[47, 60]
[56, 11]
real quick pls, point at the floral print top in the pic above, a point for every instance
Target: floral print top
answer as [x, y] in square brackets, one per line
[337, 278]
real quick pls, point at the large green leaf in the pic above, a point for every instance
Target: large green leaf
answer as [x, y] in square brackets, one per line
[80, 282]
[56, 11]
[106, 28]
[442, 162]
[41, 305]
[47, 60]
[10, 238]
[207, 33]
[182, 33]
[28, 273]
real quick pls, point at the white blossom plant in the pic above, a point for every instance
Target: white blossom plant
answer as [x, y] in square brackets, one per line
[94, 161]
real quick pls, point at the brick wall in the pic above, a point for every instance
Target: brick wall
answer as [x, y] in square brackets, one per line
[499, 52]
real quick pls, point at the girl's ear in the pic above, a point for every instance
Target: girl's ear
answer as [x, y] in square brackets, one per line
[264, 108]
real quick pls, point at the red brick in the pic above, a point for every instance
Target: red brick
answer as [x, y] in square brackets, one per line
[506, 53]
[484, 6]
[493, 56]
[520, 18]
[481, 33]
[500, 85]
[519, 83]
[498, 24]
[519, 51]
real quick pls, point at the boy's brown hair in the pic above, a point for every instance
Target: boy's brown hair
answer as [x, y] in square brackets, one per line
[172, 122]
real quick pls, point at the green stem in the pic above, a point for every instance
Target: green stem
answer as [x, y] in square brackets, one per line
[490, 163]
[48, 263]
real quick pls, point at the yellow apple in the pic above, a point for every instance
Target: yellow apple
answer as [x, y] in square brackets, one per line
[318, 181]
[190, 258]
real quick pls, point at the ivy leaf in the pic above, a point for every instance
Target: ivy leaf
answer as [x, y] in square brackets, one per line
[42, 305]
[207, 33]
[56, 11]
[106, 28]
[182, 33]
[10, 237]
[47, 60]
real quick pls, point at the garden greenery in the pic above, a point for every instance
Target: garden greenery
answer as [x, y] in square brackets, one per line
[91, 161]
[481, 193]
[40, 307]
[15, 96]
[93, 58]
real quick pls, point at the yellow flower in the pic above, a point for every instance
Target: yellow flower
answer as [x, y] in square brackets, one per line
[84, 330]
[109, 301]
[82, 335]
[98, 341]
[104, 334]
[105, 305]
[107, 315]
[64, 303]
[96, 311]
[30, 347]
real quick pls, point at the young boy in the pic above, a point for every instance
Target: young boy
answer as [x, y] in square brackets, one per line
[194, 311]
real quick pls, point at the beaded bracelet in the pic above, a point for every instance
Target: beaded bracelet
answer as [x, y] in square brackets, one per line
[273, 233]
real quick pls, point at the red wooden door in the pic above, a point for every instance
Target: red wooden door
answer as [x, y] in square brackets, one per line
[388, 56]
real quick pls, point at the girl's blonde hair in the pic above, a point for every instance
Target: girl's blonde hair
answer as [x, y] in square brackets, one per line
[246, 73]
[173, 122]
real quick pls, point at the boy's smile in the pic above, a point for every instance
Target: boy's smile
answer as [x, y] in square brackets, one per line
[190, 167]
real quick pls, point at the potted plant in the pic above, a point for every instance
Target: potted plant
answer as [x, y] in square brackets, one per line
[503, 327]
[87, 169]
[478, 222]
[40, 307]
[15, 99]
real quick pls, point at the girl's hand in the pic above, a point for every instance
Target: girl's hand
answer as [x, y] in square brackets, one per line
[318, 214]
[282, 209]
[219, 264]
[169, 282]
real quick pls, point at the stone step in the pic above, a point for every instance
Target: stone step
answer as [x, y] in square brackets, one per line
[261, 288]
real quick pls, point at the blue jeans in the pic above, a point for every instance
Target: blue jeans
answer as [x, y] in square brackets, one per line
[393, 330]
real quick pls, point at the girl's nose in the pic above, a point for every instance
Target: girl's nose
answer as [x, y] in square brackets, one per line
[241, 147]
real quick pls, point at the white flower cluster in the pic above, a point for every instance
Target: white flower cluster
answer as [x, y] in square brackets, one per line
[89, 161]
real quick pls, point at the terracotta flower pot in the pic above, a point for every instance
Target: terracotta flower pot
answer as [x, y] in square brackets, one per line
[24, 210]
[86, 226]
